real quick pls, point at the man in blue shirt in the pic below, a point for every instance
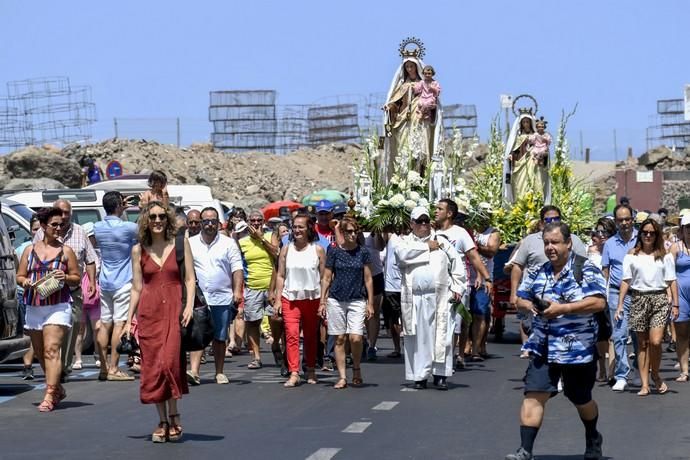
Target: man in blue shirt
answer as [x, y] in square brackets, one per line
[612, 256]
[562, 344]
[115, 238]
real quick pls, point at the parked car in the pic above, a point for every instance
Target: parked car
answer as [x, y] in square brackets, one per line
[13, 343]
[87, 205]
[17, 218]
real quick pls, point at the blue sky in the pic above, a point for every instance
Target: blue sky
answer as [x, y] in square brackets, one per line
[160, 59]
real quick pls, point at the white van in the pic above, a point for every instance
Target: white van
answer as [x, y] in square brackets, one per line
[87, 205]
[187, 197]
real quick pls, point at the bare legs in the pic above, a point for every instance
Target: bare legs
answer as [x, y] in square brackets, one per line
[47, 345]
[253, 329]
[109, 333]
[649, 357]
[95, 327]
[374, 323]
[682, 347]
[356, 350]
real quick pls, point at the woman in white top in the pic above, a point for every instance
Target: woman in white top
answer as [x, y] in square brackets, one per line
[298, 284]
[649, 275]
[604, 230]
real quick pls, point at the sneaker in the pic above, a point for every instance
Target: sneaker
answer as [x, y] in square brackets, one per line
[327, 365]
[193, 379]
[521, 454]
[28, 373]
[593, 450]
[620, 385]
[371, 354]
[560, 385]
[221, 379]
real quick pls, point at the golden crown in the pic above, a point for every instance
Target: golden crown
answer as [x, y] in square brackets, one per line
[525, 110]
[417, 51]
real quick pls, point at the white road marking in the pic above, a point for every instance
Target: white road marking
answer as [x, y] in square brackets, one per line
[325, 453]
[357, 427]
[385, 405]
[87, 373]
[40, 386]
[408, 389]
[6, 398]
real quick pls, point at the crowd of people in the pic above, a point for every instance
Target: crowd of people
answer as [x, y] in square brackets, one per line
[317, 278]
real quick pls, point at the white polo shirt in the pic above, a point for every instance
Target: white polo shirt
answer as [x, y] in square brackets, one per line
[214, 265]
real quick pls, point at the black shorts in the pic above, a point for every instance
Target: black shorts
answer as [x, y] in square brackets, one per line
[391, 307]
[578, 379]
[379, 284]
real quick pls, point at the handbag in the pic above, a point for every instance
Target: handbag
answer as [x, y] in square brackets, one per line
[199, 331]
[47, 286]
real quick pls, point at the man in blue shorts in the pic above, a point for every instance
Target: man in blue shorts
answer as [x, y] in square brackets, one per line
[218, 267]
[562, 344]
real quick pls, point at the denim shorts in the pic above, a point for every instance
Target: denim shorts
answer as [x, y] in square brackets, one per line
[223, 316]
[480, 302]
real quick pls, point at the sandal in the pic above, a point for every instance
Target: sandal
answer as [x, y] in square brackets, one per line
[357, 381]
[311, 376]
[61, 394]
[293, 381]
[661, 388]
[340, 384]
[47, 405]
[254, 364]
[643, 392]
[161, 433]
[683, 377]
[175, 430]
[77, 366]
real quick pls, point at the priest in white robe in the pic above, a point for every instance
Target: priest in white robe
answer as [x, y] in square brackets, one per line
[433, 275]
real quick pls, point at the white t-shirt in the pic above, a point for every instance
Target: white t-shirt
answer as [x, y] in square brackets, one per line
[483, 239]
[462, 241]
[376, 263]
[644, 273]
[392, 277]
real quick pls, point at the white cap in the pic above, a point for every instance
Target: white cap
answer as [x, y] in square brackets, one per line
[240, 226]
[418, 212]
[685, 220]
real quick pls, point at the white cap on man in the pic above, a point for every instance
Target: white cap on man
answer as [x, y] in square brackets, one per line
[418, 212]
[685, 220]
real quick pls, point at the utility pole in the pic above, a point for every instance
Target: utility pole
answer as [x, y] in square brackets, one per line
[615, 147]
[178, 132]
[115, 126]
[581, 146]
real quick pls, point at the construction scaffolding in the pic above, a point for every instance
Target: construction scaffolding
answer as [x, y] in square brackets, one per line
[52, 110]
[462, 117]
[12, 132]
[243, 120]
[334, 123]
[669, 126]
[292, 128]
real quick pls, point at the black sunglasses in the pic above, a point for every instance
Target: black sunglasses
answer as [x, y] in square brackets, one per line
[647, 233]
[549, 220]
[422, 221]
[158, 217]
[209, 221]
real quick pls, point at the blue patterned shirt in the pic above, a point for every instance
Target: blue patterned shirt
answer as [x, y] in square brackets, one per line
[571, 338]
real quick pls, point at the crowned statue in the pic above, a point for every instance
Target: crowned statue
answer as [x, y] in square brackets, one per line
[526, 158]
[412, 119]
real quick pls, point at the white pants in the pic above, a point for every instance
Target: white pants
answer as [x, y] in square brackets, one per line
[419, 348]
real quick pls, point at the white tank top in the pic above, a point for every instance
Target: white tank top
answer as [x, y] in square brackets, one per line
[302, 276]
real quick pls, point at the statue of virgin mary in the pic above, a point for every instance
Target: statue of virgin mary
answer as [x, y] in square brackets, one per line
[403, 124]
[521, 173]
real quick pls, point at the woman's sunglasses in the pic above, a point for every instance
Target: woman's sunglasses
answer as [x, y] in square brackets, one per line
[158, 217]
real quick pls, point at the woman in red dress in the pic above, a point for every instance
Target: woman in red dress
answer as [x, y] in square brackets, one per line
[157, 301]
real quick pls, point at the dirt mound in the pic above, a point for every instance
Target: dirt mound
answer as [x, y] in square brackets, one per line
[249, 179]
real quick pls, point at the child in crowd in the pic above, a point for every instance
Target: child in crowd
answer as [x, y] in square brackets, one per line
[428, 91]
[158, 182]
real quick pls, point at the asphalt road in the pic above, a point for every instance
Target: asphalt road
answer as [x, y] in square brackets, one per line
[254, 417]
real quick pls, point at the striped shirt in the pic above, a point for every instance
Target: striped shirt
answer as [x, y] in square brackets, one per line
[36, 270]
[568, 339]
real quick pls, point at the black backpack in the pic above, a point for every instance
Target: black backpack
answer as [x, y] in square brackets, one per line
[603, 317]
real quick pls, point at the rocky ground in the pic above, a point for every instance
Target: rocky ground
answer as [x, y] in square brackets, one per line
[253, 179]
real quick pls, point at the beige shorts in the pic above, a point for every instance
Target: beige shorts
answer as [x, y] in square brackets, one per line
[345, 317]
[115, 304]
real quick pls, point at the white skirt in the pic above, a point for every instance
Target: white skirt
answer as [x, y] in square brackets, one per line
[56, 315]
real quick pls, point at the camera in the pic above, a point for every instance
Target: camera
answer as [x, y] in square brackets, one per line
[541, 304]
[127, 345]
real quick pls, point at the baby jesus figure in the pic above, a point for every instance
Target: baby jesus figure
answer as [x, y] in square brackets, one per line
[539, 142]
[428, 91]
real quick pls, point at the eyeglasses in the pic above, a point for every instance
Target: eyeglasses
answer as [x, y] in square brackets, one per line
[350, 232]
[56, 225]
[646, 233]
[209, 221]
[599, 233]
[422, 221]
[549, 220]
[256, 220]
[193, 222]
[158, 217]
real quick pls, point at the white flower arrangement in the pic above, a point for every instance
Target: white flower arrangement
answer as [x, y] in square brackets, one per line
[397, 200]
[414, 179]
[415, 196]
[410, 204]
[383, 202]
[423, 202]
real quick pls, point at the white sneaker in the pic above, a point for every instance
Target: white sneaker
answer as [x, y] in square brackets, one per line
[620, 385]
[560, 385]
